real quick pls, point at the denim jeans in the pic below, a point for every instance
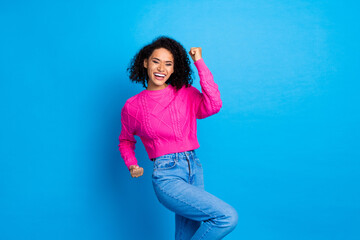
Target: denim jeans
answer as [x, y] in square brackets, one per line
[178, 183]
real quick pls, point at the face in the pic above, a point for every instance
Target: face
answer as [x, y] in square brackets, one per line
[160, 66]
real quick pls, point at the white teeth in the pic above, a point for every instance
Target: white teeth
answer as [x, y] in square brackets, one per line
[159, 75]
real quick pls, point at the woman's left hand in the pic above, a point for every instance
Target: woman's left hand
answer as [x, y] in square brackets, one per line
[195, 53]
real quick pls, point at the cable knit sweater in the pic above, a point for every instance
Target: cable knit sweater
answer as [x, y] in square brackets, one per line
[165, 120]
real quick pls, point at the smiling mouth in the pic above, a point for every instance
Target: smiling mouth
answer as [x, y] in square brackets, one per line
[159, 76]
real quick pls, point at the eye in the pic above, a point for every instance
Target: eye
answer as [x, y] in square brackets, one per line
[155, 62]
[168, 64]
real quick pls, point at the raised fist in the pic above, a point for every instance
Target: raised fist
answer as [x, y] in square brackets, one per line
[195, 53]
[136, 171]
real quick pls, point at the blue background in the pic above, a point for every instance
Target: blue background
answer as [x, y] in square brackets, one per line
[283, 150]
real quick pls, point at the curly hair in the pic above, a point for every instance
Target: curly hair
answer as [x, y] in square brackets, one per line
[182, 75]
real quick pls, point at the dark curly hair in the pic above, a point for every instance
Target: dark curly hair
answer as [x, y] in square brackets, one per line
[182, 74]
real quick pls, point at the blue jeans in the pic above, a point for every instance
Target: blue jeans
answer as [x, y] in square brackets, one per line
[178, 183]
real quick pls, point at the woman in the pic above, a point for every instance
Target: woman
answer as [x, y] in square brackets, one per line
[164, 117]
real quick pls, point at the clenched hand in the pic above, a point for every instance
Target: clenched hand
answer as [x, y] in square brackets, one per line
[136, 171]
[195, 53]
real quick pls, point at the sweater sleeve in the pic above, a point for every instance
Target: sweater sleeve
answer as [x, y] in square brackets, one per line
[127, 139]
[208, 102]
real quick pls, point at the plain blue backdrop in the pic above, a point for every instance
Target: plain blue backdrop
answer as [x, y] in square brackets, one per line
[283, 150]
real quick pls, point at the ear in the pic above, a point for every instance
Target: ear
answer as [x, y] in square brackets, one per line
[145, 63]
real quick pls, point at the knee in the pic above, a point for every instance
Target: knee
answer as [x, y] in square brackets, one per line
[229, 218]
[232, 218]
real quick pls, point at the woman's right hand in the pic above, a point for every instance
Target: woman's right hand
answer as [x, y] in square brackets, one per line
[136, 171]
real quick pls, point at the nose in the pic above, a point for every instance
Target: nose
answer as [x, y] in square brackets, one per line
[161, 67]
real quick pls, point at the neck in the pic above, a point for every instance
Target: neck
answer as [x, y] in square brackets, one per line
[153, 88]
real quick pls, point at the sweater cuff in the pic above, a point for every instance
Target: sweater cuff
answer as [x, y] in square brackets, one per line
[129, 162]
[200, 64]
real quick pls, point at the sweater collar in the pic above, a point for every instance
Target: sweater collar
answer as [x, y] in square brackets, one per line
[158, 92]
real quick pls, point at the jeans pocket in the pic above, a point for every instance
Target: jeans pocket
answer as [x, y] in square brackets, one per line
[164, 163]
[197, 161]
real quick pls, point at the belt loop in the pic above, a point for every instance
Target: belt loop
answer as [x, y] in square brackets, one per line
[176, 156]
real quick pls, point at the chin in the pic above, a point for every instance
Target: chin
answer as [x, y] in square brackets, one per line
[158, 83]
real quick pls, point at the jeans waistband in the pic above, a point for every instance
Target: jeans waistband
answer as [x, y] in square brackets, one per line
[177, 154]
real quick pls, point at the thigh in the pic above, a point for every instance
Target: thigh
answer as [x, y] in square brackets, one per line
[189, 201]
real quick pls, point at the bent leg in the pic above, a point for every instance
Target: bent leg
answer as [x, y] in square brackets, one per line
[219, 218]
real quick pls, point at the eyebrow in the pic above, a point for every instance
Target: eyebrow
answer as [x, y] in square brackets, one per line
[160, 60]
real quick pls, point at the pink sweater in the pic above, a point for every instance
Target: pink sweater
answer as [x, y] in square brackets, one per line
[165, 120]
